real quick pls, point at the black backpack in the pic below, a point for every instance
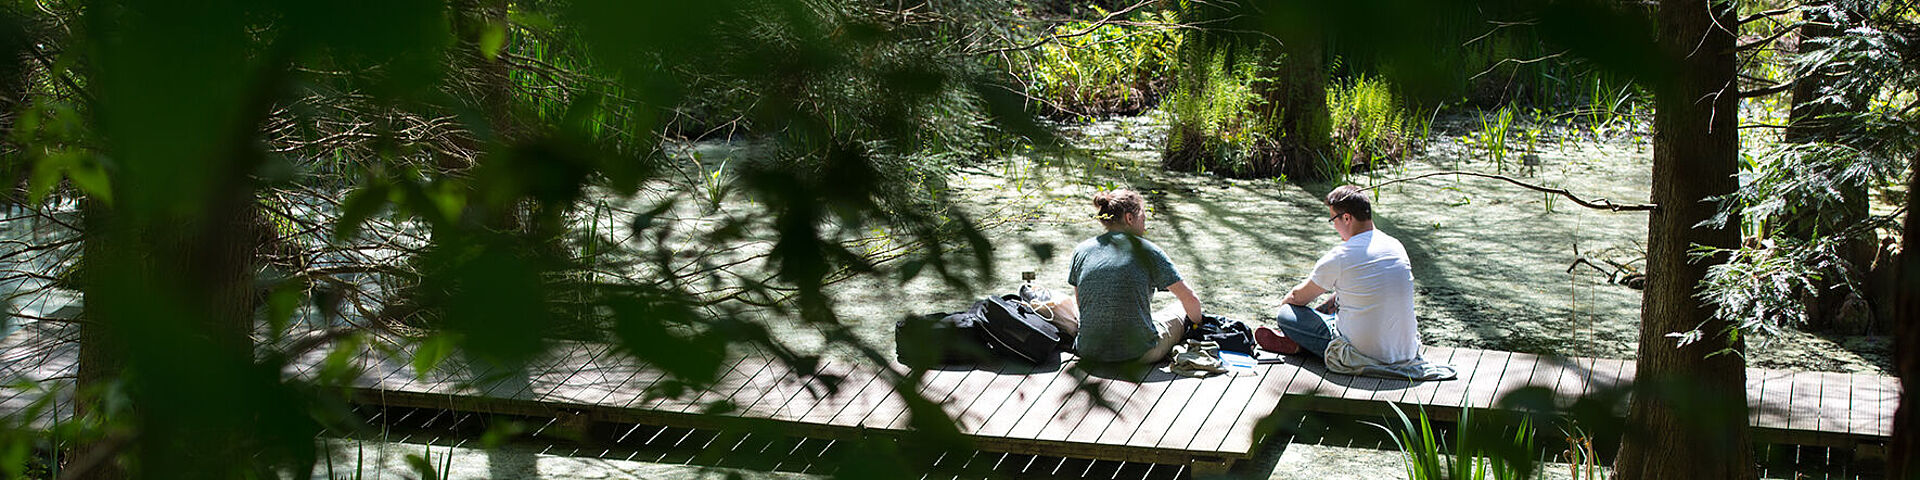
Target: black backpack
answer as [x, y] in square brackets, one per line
[1232, 335]
[941, 339]
[1016, 331]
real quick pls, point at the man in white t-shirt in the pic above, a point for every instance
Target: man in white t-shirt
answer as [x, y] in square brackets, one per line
[1369, 321]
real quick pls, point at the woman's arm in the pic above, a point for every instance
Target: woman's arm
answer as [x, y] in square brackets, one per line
[1188, 300]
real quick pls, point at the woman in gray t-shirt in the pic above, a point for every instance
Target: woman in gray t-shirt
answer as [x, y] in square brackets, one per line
[1114, 276]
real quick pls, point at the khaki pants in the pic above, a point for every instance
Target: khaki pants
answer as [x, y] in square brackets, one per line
[1170, 325]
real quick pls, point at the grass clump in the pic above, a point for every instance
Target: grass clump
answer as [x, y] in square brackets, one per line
[1213, 118]
[1370, 124]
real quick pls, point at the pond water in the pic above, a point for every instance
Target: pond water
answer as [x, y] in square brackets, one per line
[1492, 261]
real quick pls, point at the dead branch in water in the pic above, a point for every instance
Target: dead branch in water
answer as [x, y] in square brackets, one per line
[1598, 204]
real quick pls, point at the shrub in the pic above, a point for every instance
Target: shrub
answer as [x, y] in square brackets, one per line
[1112, 68]
[1213, 117]
[1370, 124]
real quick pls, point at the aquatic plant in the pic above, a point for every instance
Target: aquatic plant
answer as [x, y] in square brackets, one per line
[1426, 454]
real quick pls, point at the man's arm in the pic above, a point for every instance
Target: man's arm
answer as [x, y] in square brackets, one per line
[1303, 294]
[1188, 300]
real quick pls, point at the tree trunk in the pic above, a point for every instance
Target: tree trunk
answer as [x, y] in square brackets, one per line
[101, 357]
[1807, 124]
[1290, 116]
[1299, 118]
[1689, 402]
[1904, 450]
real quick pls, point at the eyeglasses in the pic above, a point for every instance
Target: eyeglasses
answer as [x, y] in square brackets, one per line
[1334, 217]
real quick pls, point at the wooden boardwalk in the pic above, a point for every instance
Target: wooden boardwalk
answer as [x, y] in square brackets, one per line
[1151, 416]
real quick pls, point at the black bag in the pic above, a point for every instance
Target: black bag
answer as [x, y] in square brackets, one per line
[941, 339]
[1016, 331]
[1230, 334]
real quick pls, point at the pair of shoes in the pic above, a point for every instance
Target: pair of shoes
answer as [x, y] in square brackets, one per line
[1273, 341]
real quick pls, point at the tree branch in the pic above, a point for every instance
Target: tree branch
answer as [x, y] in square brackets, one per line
[1766, 91]
[1597, 204]
[1765, 14]
[1090, 28]
[1770, 38]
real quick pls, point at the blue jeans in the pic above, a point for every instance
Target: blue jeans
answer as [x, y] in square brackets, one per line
[1311, 329]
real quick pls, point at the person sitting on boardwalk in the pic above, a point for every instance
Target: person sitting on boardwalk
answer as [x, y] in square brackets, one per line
[1372, 284]
[1114, 276]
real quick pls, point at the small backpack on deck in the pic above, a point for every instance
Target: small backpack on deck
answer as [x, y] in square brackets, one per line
[1230, 334]
[1016, 331]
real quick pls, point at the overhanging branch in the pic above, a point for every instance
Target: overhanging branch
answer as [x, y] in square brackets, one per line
[1597, 204]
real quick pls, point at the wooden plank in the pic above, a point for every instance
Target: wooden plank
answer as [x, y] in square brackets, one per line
[935, 387]
[1884, 399]
[1232, 405]
[1480, 393]
[1207, 399]
[1452, 393]
[1316, 381]
[1156, 386]
[1865, 398]
[1423, 392]
[1080, 405]
[1547, 373]
[1777, 395]
[1835, 398]
[996, 398]
[813, 392]
[636, 379]
[971, 390]
[665, 398]
[588, 382]
[724, 387]
[1127, 392]
[777, 396]
[637, 389]
[508, 381]
[1756, 394]
[865, 388]
[1613, 372]
[561, 375]
[1273, 387]
[1804, 403]
[1164, 413]
[1519, 374]
[1024, 398]
[764, 385]
[1049, 404]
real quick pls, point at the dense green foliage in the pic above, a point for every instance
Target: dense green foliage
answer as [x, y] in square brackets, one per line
[1808, 202]
[471, 181]
[1091, 68]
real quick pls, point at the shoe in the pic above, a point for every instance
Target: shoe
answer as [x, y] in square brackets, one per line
[1273, 341]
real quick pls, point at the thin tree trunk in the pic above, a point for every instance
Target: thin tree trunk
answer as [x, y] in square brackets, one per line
[1689, 401]
[101, 356]
[1903, 458]
[1824, 303]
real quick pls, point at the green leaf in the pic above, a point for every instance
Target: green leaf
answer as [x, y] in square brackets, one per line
[46, 173]
[359, 206]
[422, 466]
[432, 351]
[492, 40]
[90, 178]
[281, 305]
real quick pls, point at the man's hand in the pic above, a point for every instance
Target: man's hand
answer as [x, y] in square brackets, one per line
[1303, 294]
[1332, 306]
